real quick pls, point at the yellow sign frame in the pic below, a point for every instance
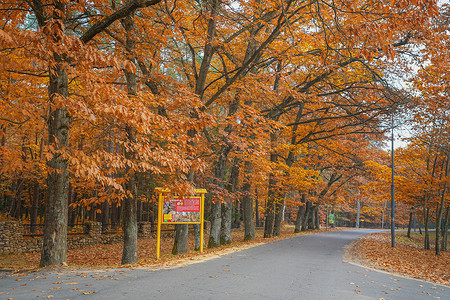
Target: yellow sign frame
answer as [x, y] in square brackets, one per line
[161, 197]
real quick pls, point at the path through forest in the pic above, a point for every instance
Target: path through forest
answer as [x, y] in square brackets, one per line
[303, 267]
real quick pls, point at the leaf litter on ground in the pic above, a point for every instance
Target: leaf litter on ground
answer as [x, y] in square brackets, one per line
[408, 258]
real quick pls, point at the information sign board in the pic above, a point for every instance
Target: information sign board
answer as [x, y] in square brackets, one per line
[181, 210]
[177, 210]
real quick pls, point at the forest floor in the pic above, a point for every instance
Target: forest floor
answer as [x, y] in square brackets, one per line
[109, 255]
[408, 258]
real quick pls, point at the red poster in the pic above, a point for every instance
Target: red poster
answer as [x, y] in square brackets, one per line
[181, 210]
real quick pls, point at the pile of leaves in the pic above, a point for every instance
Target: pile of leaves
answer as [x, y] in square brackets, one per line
[407, 258]
[110, 255]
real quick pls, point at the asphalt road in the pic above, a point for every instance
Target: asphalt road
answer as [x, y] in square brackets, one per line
[304, 267]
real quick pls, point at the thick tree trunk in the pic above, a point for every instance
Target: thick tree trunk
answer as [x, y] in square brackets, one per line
[305, 216]
[180, 244]
[300, 214]
[216, 207]
[279, 206]
[54, 250]
[216, 220]
[54, 247]
[130, 230]
[316, 217]
[298, 221]
[225, 228]
[197, 237]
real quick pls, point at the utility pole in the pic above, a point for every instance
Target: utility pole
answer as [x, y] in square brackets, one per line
[392, 185]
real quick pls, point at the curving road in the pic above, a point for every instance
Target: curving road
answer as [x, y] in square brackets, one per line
[304, 267]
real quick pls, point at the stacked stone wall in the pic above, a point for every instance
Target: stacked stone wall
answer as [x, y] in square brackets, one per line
[12, 239]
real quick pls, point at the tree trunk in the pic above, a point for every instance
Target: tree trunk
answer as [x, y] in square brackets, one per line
[358, 211]
[427, 233]
[54, 246]
[34, 207]
[180, 244]
[305, 216]
[105, 216]
[316, 217]
[54, 250]
[440, 212]
[130, 230]
[216, 220]
[445, 230]
[257, 210]
[197, 237]
[225, 228]
[298, 221]
[273, 192]
[311, 217]
[279, 206]
[300, 214]
[247, 202]
[410, 224]
[216, 211]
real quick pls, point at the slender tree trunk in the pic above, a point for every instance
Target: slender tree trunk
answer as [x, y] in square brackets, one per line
[105, 216]
[247, 202]
[410, 225]
[427, 233]
[273, 195]
[445, 230]
[257, 210]
[311, 217]
[358, 210]
[34, 207]
[441, 211]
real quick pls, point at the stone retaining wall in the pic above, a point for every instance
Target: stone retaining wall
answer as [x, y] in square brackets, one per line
[13, 241]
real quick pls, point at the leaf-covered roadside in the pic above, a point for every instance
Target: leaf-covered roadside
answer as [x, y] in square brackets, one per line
[407, 258]
[110, 255]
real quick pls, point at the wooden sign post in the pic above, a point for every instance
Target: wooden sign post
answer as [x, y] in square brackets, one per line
[177, 210]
